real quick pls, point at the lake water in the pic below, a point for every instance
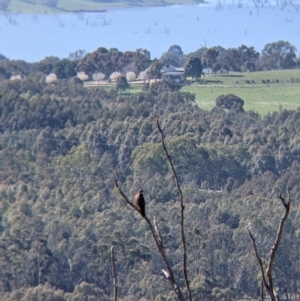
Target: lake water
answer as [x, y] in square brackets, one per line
[33, 37]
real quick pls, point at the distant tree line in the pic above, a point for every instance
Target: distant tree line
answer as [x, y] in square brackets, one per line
[102, 63]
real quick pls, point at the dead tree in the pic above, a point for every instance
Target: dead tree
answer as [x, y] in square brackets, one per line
[156, 234]
[266, 272]
[159, 244]
[181, 212]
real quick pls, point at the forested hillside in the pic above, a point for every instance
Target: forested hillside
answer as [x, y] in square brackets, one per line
[61, 145]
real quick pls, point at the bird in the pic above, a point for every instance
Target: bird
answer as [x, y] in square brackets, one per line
[140, 202]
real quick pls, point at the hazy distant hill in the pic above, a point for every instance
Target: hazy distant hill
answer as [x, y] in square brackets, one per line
[62, 6]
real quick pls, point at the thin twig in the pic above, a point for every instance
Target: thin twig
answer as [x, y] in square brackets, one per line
[114, 274]
[181, 211]
[160, 240]
[176, 288]
[83, 274]
[260, 262]
[125, 197]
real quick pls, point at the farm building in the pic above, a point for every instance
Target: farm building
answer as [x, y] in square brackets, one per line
[171, 73]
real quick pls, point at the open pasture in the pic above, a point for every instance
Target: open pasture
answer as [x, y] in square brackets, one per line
[259, 77]
[280, 90]
[263, 92]
[260, 98]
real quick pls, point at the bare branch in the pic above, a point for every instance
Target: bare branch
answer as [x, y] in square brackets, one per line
[83, 274]
[283, 201]
[160, 240]
[125, 198]
[181, 211]
[268, 274]
[277, 241]
[114, 274]
[159, 245]
[260, 262]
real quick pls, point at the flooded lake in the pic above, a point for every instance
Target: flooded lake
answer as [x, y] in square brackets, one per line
[33, 37]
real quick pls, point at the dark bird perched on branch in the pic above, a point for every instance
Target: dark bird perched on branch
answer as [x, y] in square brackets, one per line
[140, 201]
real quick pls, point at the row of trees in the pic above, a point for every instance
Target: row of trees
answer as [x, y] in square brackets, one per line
[277, 55]
[109, 61]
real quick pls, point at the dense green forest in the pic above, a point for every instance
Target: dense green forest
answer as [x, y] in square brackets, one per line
[61, 145]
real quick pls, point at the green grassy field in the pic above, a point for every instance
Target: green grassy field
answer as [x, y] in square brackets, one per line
[63, 6]
[261, 99]
[275, 77]
[283, 90]
[280, 89]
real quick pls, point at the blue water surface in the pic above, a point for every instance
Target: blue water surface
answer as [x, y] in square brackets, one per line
[33, 37]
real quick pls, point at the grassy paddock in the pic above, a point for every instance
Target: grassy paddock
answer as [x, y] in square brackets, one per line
[262, 99]
[274, 77]
[283, 92]
[262, 92]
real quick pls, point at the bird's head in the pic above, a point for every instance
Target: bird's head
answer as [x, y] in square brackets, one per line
[140, 191]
